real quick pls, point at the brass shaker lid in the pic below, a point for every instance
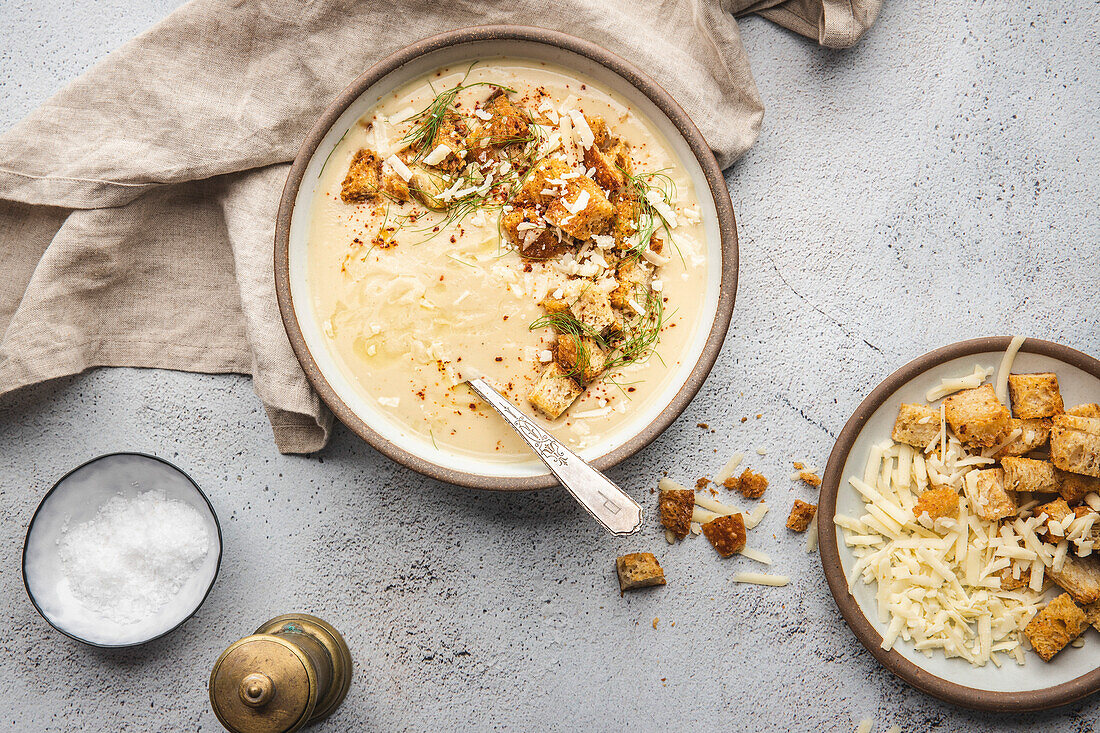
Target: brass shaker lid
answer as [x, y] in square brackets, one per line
[263, 684]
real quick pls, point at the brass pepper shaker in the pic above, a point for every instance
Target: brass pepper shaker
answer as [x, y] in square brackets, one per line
[295, 670]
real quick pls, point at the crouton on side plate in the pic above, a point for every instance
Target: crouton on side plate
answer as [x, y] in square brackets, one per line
[976, 416]
[1075, 444]
[1090, 409]
[1092, 615]
[802, 513]
[638, 570]
[937, 503]
[555, 391]
[1009, 582]
[1033, 434]
[916, 425]
[1073, 486]
[1035, 395]
[985, 490]
[1026, 474]
[1080, 577]
[676, 507]
[726, 534]
[1055, 626]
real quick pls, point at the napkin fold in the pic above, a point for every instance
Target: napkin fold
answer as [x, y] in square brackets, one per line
[137, 205]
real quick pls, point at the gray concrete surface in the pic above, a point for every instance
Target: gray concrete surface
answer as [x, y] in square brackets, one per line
[935, 183]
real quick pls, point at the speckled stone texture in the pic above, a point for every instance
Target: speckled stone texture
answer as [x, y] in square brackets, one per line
[937, 182]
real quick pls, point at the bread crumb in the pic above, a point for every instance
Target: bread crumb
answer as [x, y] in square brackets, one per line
[751, 485]
[726, 534]
[702, 425]
[811, 478]
[701, 483]
[801, 514]
[655, 620]
[798, 465]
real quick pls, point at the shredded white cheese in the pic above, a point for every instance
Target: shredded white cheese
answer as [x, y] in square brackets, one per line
[398, 166]
[937, 582]
[761, 557]
[438, 155]
[729, 468]
[1005, 368]
[761, 579]
[950, 385]
[754, 518]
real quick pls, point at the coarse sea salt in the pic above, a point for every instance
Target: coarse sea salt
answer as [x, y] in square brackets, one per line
[134, 556]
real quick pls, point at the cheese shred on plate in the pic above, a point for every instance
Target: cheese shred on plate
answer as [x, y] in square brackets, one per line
[938, 582]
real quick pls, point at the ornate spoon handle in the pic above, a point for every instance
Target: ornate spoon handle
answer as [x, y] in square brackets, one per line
[605, 501]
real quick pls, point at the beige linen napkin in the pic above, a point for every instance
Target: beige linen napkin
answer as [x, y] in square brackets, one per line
[137, 205]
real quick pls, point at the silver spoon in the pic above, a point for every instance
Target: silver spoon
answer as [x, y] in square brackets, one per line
[605, 501]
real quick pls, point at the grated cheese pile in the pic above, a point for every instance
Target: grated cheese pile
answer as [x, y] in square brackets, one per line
[938, 582]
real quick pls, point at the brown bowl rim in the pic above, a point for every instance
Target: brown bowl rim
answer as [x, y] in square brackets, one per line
[631, 74]
[952, 692]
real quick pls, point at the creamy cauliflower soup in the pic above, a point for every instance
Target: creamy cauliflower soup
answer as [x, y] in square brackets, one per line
[512, 220]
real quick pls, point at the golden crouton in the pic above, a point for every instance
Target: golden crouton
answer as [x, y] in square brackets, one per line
[364, 178]
[1092, 615]
[1035, 395]
[1075, 444]
[916, 425]
[394, 186]
[554, 305]
[802, 513]
[937, 503]
[624, 226]
[1056, 510]
[554, 392]
[1033, 434]
[611, 166]
[1090, 409]
[602, 138]
[593, 308]
[987, 495]
[976, 416]
[1010, 582]
[539, 180]
[676, 506]
[638, 570]
[508, 123]
[633, 278]
[1025, 474]
[751, 485]
[1080, 577]
[1055, 626]
[585, 364]
[452, 132]
[525, 229]
[726, 534]
[582, 210]
[1073, 486]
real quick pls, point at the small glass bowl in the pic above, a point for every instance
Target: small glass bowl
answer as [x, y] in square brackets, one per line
[76, 498]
